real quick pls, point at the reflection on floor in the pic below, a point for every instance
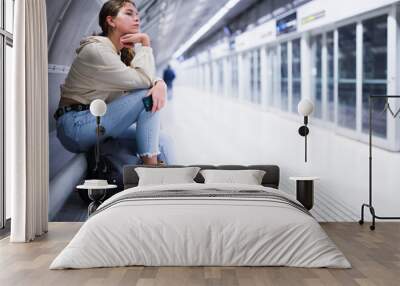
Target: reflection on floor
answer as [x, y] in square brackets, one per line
[215, 129]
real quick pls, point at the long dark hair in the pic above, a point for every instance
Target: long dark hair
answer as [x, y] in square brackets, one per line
[111, 8]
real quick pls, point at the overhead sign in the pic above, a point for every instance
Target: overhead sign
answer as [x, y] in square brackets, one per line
[256, 37]
[313, 17]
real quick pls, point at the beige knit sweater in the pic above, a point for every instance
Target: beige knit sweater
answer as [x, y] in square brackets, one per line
[98, 72]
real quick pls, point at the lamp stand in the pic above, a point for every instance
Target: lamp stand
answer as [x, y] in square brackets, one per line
[304, 131]
[100, 130]
[369, 205]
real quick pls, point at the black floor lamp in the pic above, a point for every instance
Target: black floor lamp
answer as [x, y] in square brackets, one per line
[98, 108]
[305, 108]
[370, 205]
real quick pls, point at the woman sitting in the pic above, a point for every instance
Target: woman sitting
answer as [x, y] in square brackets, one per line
[119, 68]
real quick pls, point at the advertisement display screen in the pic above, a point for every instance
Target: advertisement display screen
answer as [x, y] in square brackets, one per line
[287, 24]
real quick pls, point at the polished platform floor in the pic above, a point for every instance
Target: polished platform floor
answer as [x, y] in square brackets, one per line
[374, 255]
[216, 129]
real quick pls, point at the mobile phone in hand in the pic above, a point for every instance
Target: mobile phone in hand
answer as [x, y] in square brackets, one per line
[148, 103]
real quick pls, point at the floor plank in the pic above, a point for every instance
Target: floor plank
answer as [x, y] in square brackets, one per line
[375, 257]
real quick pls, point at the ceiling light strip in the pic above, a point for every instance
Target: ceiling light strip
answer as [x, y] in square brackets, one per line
[204, 29]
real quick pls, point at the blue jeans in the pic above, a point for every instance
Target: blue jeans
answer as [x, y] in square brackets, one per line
[123, 149]
[77, 129]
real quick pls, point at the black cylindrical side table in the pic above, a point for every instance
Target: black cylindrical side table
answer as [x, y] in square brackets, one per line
[305, 190]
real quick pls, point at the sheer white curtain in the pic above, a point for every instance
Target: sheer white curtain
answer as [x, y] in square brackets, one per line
[27, 123]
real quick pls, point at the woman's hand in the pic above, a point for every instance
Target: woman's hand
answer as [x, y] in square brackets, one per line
[158, 92]
[129, 40]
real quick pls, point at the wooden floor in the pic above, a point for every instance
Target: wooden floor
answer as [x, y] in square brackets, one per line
[375, 257]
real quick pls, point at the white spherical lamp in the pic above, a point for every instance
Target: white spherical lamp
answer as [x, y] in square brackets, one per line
[305, 107]
[98, 107]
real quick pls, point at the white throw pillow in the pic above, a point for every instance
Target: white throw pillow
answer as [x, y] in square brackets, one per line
[165, 176]
[248, 177]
